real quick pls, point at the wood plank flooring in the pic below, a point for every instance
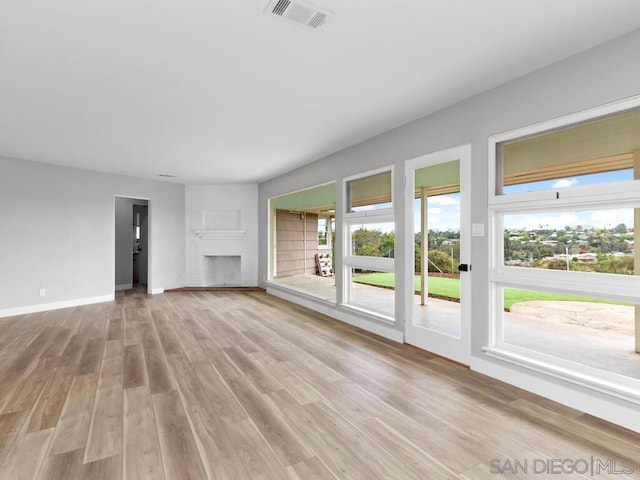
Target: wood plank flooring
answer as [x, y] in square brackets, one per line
[241, 385]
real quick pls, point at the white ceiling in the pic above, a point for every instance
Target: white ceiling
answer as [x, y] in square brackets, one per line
[216, 91]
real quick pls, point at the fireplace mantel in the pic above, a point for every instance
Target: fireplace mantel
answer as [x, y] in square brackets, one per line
[221, 234]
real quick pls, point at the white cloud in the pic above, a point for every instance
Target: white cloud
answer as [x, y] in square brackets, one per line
[444, 216]
[444, 200]
[536, 221]
[564, 182]
[611, 218]
[595, 218]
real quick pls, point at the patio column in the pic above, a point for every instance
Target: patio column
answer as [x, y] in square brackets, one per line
[424, 250]
[636, 244]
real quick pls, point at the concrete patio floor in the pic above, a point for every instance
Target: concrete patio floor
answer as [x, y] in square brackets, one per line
[597, 335]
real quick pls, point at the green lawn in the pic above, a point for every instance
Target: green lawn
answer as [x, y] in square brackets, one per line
[449, 287]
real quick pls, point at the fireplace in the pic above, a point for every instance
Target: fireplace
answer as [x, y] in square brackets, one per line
[222, 270]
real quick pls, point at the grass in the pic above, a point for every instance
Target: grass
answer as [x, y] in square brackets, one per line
[450, 287]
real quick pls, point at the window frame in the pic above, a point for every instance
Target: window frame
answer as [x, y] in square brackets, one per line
[600, 285]
[272, 246]
[495, 162]
[349, 261]
[367, 213]
[327, 232]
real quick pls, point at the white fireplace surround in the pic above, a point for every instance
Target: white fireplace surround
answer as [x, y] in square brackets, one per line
[221, 222]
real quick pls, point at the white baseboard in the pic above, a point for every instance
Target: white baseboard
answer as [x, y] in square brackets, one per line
[156, 291]
[333, 312]
[43, 307]
[613, 410]
[124, 286]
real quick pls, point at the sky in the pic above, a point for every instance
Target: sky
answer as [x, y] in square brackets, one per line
[603, 218]
[443, 213]
[444, 210]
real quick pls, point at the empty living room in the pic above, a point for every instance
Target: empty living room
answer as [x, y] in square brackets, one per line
[291, 239]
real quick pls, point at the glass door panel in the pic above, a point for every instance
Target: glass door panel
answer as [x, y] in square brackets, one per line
[437, 317]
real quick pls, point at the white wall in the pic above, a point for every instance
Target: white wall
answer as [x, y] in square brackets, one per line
[598, 76]
[220, 208]
[57, 232]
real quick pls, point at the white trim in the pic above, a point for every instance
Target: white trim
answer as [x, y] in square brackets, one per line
[348, 260]
[625, 388]
[221, 234]
[303, 189]
[623, 414]
[540, 128]
[272, 254]
[570, 119]
[388, 211]
[624, 191]
[271, 229]
[458, 349]
[369, 216]
[155, 291]
[43, 307]
[605, 286]
[365, 310]
[370, 173]
[378, 264]
[376, 217]
[150, 236]
[329, 309]
[124, 286]
[299, 293]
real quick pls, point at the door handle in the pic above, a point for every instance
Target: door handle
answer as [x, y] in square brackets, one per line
[464, 267]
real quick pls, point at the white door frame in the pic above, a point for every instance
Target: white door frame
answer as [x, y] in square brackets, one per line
[150, 264]
[457, 349]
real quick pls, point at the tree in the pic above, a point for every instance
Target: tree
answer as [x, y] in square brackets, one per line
[373, 243]
[440, 262]
[620, 228]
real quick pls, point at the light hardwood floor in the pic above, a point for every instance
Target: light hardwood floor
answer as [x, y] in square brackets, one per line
[235, 385]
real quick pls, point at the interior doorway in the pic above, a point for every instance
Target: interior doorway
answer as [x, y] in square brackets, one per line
[131, 243]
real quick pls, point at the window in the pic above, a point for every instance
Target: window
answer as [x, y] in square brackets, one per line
[593, 152]
[592, 331]
[372, 240]
[369, 193]
[324, 231]
[373, 291]
[301, 256]
[565, 217]
[593, 240]
[370, 244]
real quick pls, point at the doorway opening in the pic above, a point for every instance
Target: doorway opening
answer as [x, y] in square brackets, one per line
[131, 243]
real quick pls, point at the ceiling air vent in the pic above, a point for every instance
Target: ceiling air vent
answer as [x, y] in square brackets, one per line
[299, 11]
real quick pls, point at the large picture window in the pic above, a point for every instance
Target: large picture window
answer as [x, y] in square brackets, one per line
[369, 247]
[301, 241]
[565, 268]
